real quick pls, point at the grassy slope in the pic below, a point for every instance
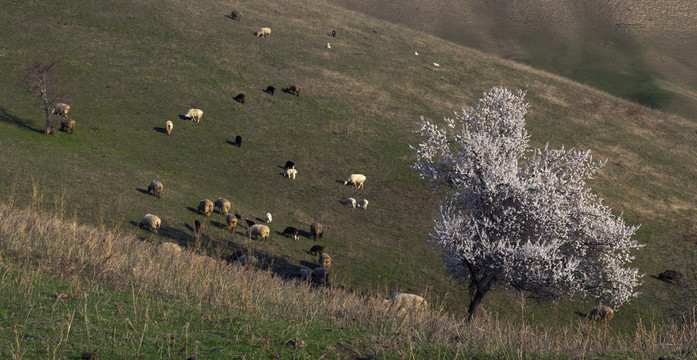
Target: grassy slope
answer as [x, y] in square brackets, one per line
[127, 67]
[638, 50]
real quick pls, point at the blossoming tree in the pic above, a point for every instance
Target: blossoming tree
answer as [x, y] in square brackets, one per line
[519, 217]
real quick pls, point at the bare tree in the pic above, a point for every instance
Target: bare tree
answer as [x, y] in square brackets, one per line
[519, 217]
[36, 79]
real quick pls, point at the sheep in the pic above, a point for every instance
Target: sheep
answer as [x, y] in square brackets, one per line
[258, 230]
[236, 15]
[350, 202]
[168, 127]
[171, 248]
[303, 274]
[194, 115]
[231, 222]
[436, 64]
[290, 173]
[240, 98]
[155, 188]
[270, 90]
[288, 231]
[333, 33]
[197, 226]
[320, 275]
[356, 180]
[363, 204]
[268, 218]
[60, 109]
[416, 53]
[329, 45]
[289, 165]
[68, 124]
[316, 230]
[263, 32]
[293, 89]
[247, 260]
[403, 301]
[223, 205]
[205, 207]
[250, 223]
[238, 141]
[325, 260]
[151, 221]
[670, 276]
[316, 249]
[601, 313]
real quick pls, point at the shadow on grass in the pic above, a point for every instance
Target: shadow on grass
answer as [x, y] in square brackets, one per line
[21, 123]
[183, 117]
[160, 130]
[144, 191]
[580, 314]
[195, 211]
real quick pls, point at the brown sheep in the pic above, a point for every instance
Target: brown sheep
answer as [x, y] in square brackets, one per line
[68, 124]
[293, 89]
[236, 15]
[325, 260]
[205, 207]
[288, 231]
[316, 230]
[155, 188]
[231, 222]
[197, 226]
[316, 249]
[601, 313]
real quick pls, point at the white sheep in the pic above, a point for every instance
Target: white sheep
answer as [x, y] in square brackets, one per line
[258, 230]
[405, 301]
[363, 204]
[170, 248]
[205, 207]
[329, 45]
[350, 202]
[168, 127]
[290, 173]
[194, 114]
[320, 275]
[151, 221]
[155, 188]
[436, 64]
[356, 180]
[269, 218]
[263, 32]
[325, 260]
[416, 53]
[60, 109]
[223, 205]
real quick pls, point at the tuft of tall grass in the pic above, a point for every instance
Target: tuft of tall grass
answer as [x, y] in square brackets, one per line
[47, 243]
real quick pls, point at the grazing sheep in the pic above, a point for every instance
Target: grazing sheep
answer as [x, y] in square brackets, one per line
[325, 260]
[329, 45]
[333, 33]
[197, 226]
[205, 207]
[238, 141]
[404, 301]
[436, 64]
[194, 115]
[289, 165]
[240, 98]
[223, 205]
[316, 230]
[168, 127]
[270, 90]
[356, 180]
[152, 222]
[293, 89]
[303, 274]
[416, 53]
[601, 313]
[231, 222]
[236, 15]
[155, 188]
[263, 32]
[670, 276]
[350, 202]
[171, 248]
[258, 230]
[60, 109]
[268, 218]
[290, 173]
[316, 249]
[363, 204]
[68, 124]
[320, 275]
[291, 231]
[250, 223]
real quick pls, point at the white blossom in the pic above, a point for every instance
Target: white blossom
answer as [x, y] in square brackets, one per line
[521, 217]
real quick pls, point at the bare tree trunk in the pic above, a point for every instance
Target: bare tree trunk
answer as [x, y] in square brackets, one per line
[475, 303]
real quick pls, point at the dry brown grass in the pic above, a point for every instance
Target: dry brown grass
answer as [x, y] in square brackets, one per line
[45, 242]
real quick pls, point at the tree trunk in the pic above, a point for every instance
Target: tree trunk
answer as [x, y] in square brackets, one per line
[475, 303]
[47, 130]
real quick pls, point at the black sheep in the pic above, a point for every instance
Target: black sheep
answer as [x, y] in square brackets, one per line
[289, 165]
[333, 33]
[670, 276]
[240, 98]
[270, 90]
[197, 226]
[238, 141]
[315, 249]
[291, 231]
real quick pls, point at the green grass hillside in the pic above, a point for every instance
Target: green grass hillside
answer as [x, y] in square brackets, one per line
[639, 50]
[126, 67]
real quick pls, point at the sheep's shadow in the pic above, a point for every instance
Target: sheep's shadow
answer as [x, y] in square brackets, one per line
[144, 191]
[309, 265]
[160, 130]
[195, 211]
[219, 225]
[12, 119]
[260, 220]
[233, 143]
[183, 117]
[304, 233]
[231, 17]
[172, 233]
[580, 314]
[340, 181]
